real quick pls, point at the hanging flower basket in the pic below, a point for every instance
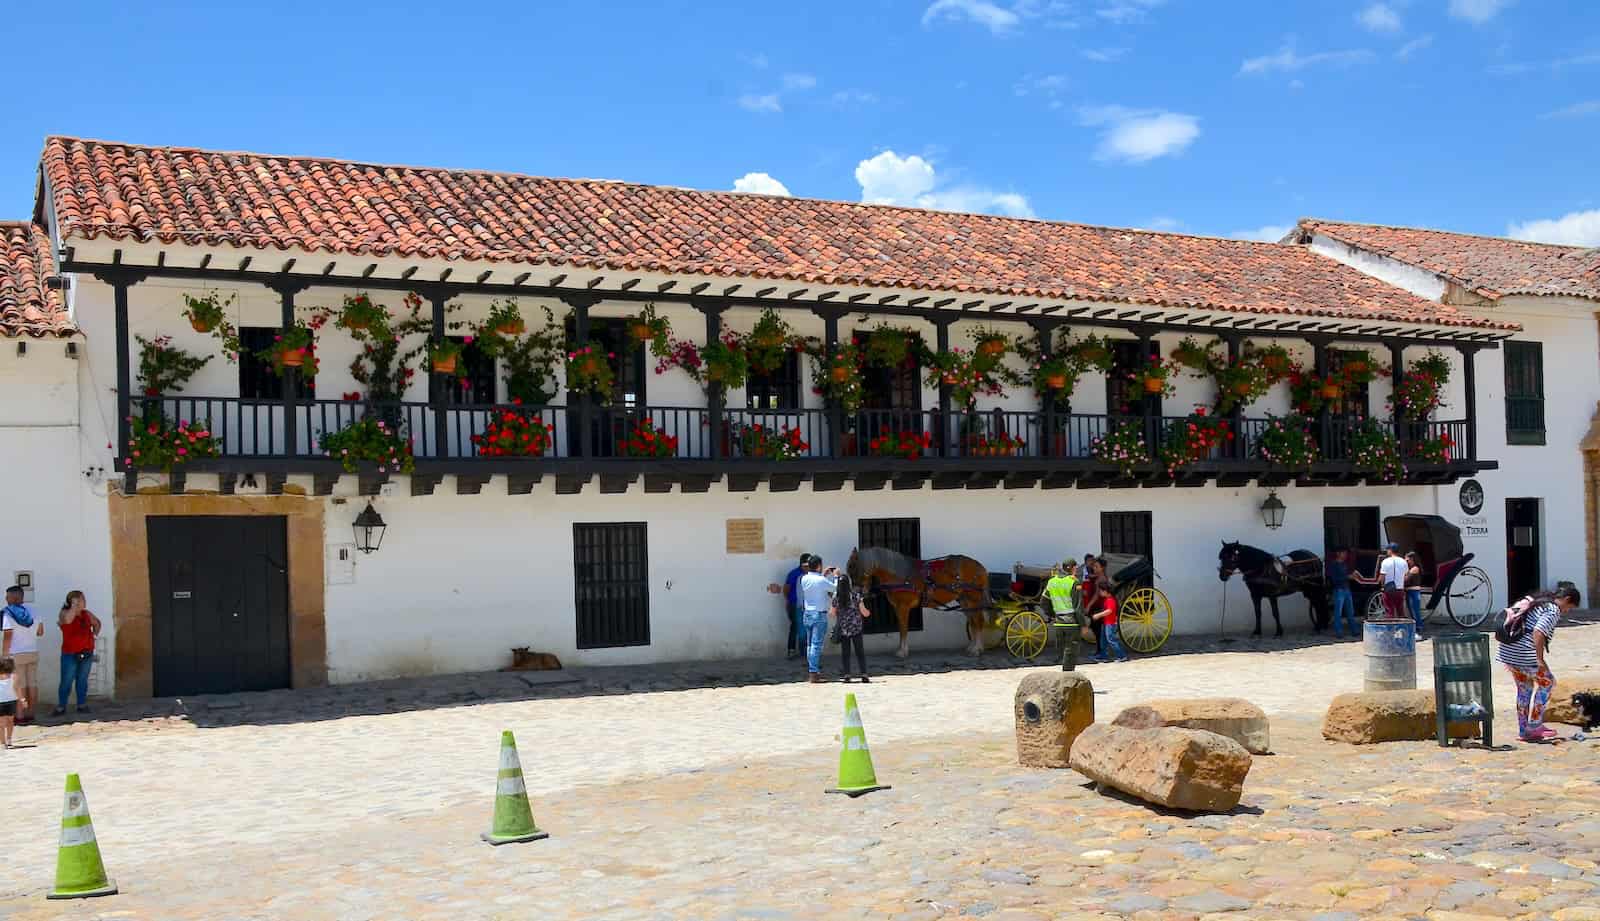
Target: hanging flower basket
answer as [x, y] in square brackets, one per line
[992, 348]
[359, 313]
[444, 365]
[292, 358]
[445, 357]
[641, 331]
[201, 326]
[512, 327]
[1331, 390]
[1154, 385]
[1056, 381]
[839, 374]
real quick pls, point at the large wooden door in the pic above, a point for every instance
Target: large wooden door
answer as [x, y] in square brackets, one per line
[219, 594]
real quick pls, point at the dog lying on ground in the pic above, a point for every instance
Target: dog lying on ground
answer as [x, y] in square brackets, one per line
[1588, 705]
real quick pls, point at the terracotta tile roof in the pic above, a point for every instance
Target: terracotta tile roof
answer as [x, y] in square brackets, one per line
[173, 195]
[1492, 267]
[27, 306]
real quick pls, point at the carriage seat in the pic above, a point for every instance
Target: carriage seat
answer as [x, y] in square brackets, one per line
[1031, 578]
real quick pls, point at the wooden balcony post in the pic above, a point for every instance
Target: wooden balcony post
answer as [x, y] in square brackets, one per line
[438, 383]
[580, 305]
[1147, 403]
[941, 328]
[1235, 345]
[716, 392]
[287, 287]
[1319, 361]
[1469, 379]
[1045, 331]
[830, 340]
[1397, 362]
[120, 281]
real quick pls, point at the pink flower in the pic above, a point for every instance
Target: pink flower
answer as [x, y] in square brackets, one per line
[182, 451]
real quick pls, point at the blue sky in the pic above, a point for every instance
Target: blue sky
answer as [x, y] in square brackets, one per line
[1227, 118]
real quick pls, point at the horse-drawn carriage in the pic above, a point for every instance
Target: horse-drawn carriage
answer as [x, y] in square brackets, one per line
[1022, 617]
[1447, 571]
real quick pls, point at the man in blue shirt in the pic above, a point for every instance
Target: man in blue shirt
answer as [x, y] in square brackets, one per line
[791, 604]
[1339, 591]
[815, 590]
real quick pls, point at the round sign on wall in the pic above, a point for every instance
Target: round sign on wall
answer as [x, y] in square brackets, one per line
[1471, 497]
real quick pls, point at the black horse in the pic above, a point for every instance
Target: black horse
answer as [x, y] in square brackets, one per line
[1268, 577]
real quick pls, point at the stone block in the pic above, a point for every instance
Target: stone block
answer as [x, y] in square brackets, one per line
[1238, 719]
[1387, 716]
[1561, 709]
[1051, 708]
[1179, 768]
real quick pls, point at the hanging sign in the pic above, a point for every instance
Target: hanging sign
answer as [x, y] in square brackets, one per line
[1474, 524]
[747, 535]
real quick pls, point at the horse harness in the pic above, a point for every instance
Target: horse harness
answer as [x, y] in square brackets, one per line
[929, 568]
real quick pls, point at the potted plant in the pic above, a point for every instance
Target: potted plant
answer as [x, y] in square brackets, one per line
[1421, 390]
[1056, 375]
[1154, 378]
[1002, 445]
[158, 442]
[1240, 382]
[164, 369]
[514, 433]
[1358, 367]
[589, 371]
[990, 343]
[1192, 355]
[1305, 394]
[967, 375]
[359, 313]
[889, 346]
[838, 376]
[1124, 447]
[294, 347]
[370, 439]
[725, 362]
[645, 441]
[1287, 442]
[390, 347]
[1374, 448]
[647, 328]
[1435, 450]
[207, 313]
[1331, 388]
[905, 444]
[1091, 352]
[505, 317]
[768, 343]
[758, 441]
[1193, 439]
[1274, 360]
[444, 357]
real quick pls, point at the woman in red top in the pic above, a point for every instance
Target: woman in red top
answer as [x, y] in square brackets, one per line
[79, 627]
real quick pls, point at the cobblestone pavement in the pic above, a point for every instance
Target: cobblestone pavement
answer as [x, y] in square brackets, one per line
[707, 803]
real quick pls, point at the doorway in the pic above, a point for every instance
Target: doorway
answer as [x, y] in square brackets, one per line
[1524, 561]
[903, 536]
[219, 596]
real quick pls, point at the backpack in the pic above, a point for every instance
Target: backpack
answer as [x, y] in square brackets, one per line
[20, 614]
[1514, 622]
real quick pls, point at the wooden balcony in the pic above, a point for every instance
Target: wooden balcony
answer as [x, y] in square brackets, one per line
[696, 446]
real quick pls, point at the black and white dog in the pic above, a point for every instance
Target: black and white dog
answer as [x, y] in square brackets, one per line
[1588, 704]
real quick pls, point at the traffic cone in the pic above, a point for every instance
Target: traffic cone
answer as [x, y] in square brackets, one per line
[856, 776]
[513, 817]
[79, 872]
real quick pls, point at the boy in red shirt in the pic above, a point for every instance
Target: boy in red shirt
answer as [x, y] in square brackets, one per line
[1106, 618]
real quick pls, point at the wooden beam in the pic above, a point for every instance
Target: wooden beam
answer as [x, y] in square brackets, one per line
[521, 278]
[797, 292]
[367, 272]
[205, 260]
[595, 282]
[728, 291]
[484, 277]
[764, 292]
[328, 269]
[696, 289]
[410, 271]
[287, 266]
[629, 285]
[665, 286]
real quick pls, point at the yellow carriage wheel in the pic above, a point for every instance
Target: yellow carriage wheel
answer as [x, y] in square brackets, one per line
[1145, 620]
[1026, 634]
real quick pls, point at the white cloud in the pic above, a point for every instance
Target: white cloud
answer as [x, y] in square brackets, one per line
[764, 102]
[1555, 64]
[994, 18]
[1266, 233]
[761, 183]
[1288, 60]
[1379, 17]
[1139, 135]
[1047, 85]
[758, 61]
[1576, 110]
[1123, 12]
[854, 98]
[1413, 46]
[1477, 12]
[1104, 55]
[1162, 222]
[799, 81]
[890, 179]
[1580, 228]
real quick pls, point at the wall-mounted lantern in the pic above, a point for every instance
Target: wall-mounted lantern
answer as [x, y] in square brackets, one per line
[369, 527]
[1271, 511]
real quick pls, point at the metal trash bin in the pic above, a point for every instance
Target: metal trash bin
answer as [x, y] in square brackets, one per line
[1391, 649]
[1463, 683]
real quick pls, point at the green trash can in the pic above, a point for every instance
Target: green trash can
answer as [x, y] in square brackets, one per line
[1463, 683]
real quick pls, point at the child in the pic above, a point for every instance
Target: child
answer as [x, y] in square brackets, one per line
[9, 704]
[1107, 619]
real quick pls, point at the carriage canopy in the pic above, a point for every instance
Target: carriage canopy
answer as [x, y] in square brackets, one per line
[1435, 539]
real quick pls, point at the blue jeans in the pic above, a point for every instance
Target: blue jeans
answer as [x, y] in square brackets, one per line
[1344, 602]
[74, 672]
[816, 627]
[1110, 640]
[1414, 602]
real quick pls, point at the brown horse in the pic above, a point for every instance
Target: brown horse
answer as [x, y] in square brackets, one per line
[949, 583]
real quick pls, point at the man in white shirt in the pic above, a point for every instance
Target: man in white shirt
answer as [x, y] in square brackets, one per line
[814, 590]
[21, 643]
[1392, 582]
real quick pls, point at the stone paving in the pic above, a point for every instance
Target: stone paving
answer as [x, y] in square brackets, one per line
[707, 803]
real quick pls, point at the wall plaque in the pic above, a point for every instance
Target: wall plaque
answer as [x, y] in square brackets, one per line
[747, 535]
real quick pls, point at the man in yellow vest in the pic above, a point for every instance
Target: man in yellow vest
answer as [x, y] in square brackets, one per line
[1062, 590]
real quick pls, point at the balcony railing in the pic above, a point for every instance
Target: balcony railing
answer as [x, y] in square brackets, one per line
[254, 429]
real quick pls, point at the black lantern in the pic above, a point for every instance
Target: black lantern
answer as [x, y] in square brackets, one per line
[369, 529]
[1271, 511]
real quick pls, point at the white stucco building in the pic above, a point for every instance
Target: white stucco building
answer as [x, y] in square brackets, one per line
[240, 571]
